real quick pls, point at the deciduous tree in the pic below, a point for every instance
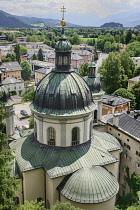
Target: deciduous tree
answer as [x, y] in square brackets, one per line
[8, 184]
[26, 72]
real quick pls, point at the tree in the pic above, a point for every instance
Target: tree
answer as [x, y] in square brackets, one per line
[83, 71]
[17, 52]
[32, 205]
[125, 93]
[31, 123]
[91, 42]
[63, 206]
[6, 60]
[8, 184]
[133, 49]
[135, 89]
[40, 55]
[28, 96]
[26, 72]
[128, 36]
[113, 73]
[23, 49]
[137, 71]
[12, 56]
[127, 64]
[34, 57]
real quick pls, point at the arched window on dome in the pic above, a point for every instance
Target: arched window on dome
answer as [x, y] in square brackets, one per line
[35, 129]
[75, 136]
[51, 136]
[95, 116]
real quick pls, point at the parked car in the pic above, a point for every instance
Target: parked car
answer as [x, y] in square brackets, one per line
[23, 112]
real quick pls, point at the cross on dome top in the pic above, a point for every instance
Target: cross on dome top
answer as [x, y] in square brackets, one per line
[63, 22]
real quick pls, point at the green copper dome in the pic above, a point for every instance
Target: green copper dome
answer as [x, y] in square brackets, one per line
[94, 84]
[89, 185]
[61, 93]
[92, 64]
[63, 45]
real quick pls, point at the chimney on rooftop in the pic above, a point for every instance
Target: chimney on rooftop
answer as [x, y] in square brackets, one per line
[116, 118]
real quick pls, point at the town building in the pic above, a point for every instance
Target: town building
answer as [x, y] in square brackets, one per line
[63, 158]
[114, 104]
[10, 69]
[136, 61]
[133, 80]
[126, 128]
[42, 72]
[13, 84]
[85, 54]
[4, 50]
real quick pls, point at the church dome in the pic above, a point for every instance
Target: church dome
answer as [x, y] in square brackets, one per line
[94, 84]
[61, 93]
[63, 45]
[89, 185]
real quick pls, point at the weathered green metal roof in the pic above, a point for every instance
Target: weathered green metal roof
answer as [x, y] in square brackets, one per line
[63, 45]
[109, 142]
[5, 96]
[89, 185]
[62, 94]
[59, 161]
[93, 83]
[92, 64]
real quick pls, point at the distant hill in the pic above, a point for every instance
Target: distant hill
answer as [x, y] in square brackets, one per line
[7, 20]
[128, 19]
[13, 21]
[112, 25]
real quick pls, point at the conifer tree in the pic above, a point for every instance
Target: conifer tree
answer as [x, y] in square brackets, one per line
[17, 52]
[40, 55]
[34, 57]
[8, 184]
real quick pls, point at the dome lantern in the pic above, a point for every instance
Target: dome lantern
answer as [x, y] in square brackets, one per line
[63, 49]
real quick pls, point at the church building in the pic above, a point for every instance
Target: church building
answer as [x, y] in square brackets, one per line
[64, 158]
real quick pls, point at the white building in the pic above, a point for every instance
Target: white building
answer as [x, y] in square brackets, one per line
[13, 84]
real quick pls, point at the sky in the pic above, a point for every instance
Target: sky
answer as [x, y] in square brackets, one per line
[85, 12]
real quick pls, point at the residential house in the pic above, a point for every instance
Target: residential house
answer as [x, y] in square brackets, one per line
[10, 69]
[133, 80]
[114, 104]
[4, 50]
[13, 84]
[76, 60]
[85, 54]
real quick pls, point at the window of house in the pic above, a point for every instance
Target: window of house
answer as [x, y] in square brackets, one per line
[138, 153]
[127, 157]
[75, 136]
[51, 136]
[127, 139]
[118, 134]
[16, 200]
[15, 87]
[127, 146]
[138, 165]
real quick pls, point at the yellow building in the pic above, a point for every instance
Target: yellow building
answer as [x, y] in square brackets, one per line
[10, 69]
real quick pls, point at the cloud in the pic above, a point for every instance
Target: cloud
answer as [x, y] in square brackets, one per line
[51, 8]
